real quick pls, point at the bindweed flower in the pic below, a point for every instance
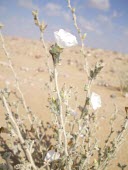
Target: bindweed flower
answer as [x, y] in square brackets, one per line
[73, 112]
[51, 156]
[65, 39]
[95, 101]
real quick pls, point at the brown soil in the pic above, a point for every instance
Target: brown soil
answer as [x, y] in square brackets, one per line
[28, 57]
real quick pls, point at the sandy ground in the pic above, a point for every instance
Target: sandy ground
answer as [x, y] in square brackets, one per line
[29, 61]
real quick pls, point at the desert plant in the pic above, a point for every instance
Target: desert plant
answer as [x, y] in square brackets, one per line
[70, 141]
[123, 77]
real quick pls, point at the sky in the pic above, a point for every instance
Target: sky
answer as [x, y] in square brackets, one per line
[104, 21]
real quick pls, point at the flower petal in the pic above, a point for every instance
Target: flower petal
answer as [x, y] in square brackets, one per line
[65, 39]
[95, 101]
[51, 156]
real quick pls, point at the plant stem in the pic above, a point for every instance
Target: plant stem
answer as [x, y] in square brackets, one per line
[89, 82]
[22, 141]
[80, 35]
[15, 75]
[46, 50]
[60, 109]
[118, 141]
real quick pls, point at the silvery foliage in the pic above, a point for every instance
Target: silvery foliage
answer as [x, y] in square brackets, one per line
[70, 140]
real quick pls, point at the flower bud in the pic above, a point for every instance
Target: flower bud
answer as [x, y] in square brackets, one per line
[55, 51]
[1, 26]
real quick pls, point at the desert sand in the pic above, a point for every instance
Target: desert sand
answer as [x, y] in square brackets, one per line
[29, 61]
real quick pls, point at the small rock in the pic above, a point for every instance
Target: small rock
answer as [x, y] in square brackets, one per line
[69, 62]
[26, 69]
[112, 70]
[119, 58]
[76, 52]
[81, 69]
[103, 84]
[99, 84]
[106, 84]
[96, 55]
[38, 56]
[40, 69]
[66, 75]
[113, 96]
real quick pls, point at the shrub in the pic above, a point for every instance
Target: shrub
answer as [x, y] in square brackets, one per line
[70, 141]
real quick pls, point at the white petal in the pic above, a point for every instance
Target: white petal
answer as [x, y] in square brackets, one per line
[65, 39]
[95, 101]
[73, 112]
[51, 156]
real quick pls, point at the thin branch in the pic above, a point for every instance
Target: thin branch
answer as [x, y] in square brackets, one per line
[60, 110]
[15, 75]
[80, 35]
[22, 141]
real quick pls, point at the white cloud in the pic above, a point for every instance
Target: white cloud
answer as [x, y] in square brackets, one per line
[126, 32]
[107, 21]
[52, 9]
[122, 40]
[100, 4]
[85, 24]
[3, 9]
[27, 4]
[66, 16]
[116, 14]
[88, 25]
[103, 18]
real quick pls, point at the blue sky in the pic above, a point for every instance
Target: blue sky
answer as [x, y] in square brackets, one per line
[104, 21]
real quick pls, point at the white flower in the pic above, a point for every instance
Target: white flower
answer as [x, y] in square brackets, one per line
[95, 101]
[51, 156]
[65, 39]
[73, 112]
